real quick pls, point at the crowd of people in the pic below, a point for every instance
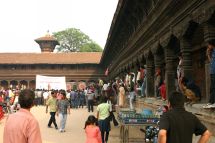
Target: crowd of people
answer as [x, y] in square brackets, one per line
[176, 125]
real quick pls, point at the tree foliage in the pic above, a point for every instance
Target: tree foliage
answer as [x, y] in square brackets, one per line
[91, 47]
[73, 40]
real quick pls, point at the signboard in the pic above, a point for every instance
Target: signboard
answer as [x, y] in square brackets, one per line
[49, 82]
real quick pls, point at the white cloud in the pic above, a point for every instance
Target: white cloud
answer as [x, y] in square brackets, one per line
[22, 21]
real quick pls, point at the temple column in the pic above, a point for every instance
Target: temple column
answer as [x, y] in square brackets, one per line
[170, 72]
[149, 76]
[209, 33]
[158, 61]
[158, 58]
[185, 46]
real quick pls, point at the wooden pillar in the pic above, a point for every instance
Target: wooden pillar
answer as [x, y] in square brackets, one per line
[209, 33]
[149, 76]
[185, 46]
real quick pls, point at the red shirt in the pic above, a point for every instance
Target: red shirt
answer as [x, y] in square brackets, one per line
[163, 91]
[142, 73]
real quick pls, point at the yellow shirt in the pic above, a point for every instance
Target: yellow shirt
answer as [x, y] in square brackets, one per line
[103, 110]
[52, 103]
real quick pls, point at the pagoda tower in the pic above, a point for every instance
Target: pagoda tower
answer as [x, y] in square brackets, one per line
[47, 43]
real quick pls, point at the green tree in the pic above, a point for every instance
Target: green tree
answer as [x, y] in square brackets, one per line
[91, 47]
[73, 40]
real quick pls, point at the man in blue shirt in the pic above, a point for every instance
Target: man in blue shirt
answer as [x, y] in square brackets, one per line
[211, 58]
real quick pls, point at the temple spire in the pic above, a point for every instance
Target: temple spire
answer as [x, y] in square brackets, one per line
[47, 43]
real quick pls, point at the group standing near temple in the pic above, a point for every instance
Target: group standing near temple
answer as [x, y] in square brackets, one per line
[107, 96]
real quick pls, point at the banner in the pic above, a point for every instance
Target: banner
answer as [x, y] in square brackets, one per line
[49, 82]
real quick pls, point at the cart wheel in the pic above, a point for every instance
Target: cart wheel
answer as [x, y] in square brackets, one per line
[121, 134]
[126, 136]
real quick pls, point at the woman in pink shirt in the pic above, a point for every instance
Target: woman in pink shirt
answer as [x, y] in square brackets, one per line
[92, 130]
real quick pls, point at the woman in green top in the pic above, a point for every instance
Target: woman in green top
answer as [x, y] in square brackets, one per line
[103, 112]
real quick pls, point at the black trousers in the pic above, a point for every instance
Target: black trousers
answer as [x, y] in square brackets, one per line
[90, 105]
[52, 119]
[212, 89]
[104, 136]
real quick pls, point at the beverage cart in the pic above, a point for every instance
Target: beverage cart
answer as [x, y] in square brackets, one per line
[130, 118]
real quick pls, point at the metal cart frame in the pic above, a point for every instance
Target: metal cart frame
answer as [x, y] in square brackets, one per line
[124, 131]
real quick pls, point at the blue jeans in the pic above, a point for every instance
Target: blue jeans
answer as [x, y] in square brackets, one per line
[212, 89]
[63, 118]
[143, 88]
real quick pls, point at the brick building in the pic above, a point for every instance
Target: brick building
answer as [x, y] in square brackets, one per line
[21, 68]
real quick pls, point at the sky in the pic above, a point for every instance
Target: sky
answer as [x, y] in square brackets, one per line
[23, 21]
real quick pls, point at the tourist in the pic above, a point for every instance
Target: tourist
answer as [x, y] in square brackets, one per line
[73, 96]
[115, 89]
[143, 86]
[131, 92]
[1, 106]
[111, 110]
[90, 99]
[104, 88]
[190, 90]
[85, 94]
[82, 98]
[157, 82]
[45, 96]
[211, 57]
[180, 70]
[68, 95]
[92, 130]
[39, 95]
[103, 120]
[59, 96]
[100, 84]
[77, 99]
[22, 127]
[63, 107]
[178, 126]
[52, 104]
[16, 106]
[162, 90]
[121, 95]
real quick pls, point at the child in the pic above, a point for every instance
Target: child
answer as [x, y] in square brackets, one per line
[162, 89]
[92, 130]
